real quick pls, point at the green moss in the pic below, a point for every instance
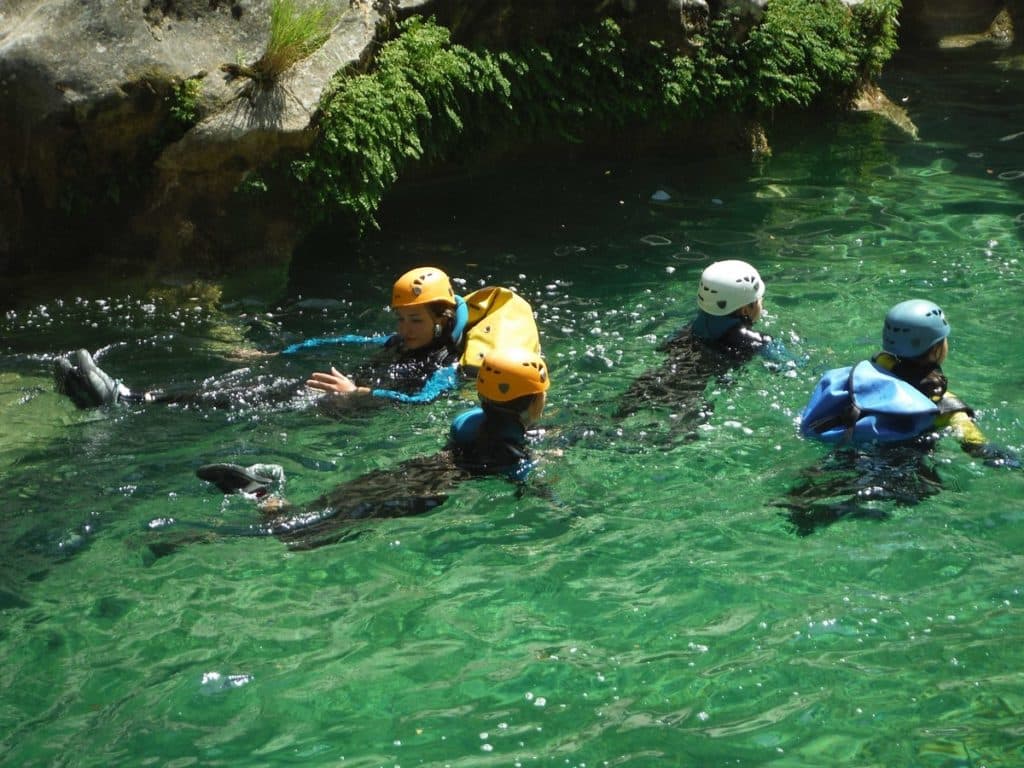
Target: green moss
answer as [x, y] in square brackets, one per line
[428, 98]
[372, 125]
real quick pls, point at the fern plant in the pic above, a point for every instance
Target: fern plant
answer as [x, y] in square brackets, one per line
[372, 125]
[428, 98]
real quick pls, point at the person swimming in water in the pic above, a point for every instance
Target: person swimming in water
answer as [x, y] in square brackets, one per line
[885, 414]
[416, 364]
[490, 439]
[721, 337]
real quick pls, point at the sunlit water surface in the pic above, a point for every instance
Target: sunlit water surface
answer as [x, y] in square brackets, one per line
[645, 602]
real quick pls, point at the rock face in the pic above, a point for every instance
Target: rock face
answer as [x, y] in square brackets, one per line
[123, 136]
[126, 142]
[926, 23]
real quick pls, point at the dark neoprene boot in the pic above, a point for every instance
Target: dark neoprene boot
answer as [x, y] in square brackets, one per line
[234, 478]
[86, 383]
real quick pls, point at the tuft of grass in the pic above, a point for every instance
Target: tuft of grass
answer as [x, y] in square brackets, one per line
[295, 34]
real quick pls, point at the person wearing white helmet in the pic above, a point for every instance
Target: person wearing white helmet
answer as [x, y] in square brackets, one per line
[729, 302]
[730, 298]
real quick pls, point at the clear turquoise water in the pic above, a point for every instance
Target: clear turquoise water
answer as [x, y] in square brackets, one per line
[647, 604]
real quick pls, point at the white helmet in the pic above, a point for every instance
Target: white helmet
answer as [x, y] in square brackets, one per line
[725, 286]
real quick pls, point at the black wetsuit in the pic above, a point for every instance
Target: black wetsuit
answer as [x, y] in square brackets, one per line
[709, 348]
[392, 373]
[483, 442]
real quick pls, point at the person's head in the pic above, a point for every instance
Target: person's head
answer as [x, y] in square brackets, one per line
[424, 301]
[731, 287]
[515, 381]
[916, 329]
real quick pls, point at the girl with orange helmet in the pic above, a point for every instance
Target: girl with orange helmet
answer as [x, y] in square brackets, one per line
[424, 351]
[419, 361]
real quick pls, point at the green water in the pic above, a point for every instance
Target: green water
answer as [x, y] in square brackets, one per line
[646, 603]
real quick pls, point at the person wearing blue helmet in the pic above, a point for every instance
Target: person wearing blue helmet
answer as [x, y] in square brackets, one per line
[416, 364]
[915, 344]
[883, 415]
[901, 393]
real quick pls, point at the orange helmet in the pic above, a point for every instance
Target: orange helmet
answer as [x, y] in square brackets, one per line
[508, 374]
[423, 285]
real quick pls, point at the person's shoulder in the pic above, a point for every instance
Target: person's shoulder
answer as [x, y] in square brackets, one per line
[741, 340]
[467, 425]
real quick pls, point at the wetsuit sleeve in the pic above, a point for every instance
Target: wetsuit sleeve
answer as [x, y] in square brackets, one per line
[974, 442]
[443, 380]
[966, 429]
[326, 341]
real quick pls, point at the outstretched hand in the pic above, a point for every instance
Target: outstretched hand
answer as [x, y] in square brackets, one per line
[334, 383]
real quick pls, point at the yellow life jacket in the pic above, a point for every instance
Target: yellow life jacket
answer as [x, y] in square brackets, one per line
[498, 318]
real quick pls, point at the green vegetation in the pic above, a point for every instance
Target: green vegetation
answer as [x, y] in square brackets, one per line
[184, 101]
[419, 96]
[295, 34]
[427, 98]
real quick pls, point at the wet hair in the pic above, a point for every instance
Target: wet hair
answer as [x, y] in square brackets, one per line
[923, 374]
[922, 359]
[516, 407]
[444, 315]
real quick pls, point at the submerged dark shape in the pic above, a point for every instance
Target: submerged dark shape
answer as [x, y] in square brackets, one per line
[413, 487]
[680, 381]
[861, 482]
[485, 441]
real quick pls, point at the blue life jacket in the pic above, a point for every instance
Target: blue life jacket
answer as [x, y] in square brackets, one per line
[866, 403]
[486, 444]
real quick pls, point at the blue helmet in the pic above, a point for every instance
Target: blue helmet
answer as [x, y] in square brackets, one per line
[913, 327]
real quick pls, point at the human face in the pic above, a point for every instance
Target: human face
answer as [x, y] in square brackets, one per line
[415, 326]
